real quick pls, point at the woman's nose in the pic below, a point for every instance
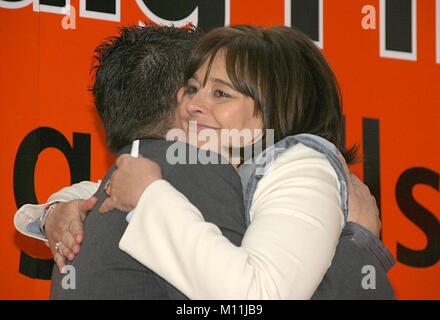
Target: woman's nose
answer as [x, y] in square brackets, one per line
[197, 106]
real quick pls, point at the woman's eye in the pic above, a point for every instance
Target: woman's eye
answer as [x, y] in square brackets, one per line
[221, 94]
[191, 90]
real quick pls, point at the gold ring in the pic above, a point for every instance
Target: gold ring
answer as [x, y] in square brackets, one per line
[107, 187]
[58, 245]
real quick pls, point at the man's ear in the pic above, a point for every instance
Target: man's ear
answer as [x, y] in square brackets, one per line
[180, 94]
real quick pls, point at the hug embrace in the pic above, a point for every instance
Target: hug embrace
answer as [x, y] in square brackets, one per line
[287, 220]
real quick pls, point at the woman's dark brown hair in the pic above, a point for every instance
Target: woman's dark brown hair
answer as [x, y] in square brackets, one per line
[281, 69]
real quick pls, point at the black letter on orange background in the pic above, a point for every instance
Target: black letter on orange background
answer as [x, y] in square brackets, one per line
[78, 158]
[370, 134]
[211, 13]
[103, 6]
[420, 216]
[398, 34]
[305, 16]
[371, 155]
[54, 3]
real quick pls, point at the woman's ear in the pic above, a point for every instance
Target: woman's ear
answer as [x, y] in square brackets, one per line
[180, 94]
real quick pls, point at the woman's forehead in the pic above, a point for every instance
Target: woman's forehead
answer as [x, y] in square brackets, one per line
[214, 67]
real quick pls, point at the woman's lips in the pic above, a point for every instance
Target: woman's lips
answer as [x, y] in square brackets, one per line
[199, 126]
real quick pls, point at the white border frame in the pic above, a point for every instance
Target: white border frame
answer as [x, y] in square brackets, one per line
[15, 5]
[437, 31]
[393, 53]
[52, 9]
[100, 15]
[192, 18]
[288, 20]
[227, 12]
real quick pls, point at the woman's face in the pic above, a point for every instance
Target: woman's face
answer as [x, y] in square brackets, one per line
[216, 109]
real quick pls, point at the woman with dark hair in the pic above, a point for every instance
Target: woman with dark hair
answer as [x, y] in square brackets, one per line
[275, 84]
[245, 77]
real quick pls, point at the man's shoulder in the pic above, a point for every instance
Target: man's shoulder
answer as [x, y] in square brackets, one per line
[153, 149]
[180, 156]
[206, 179]
[148, 146]
[192, 162]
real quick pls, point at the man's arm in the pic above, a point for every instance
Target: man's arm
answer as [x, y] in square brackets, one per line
[63, 223]
[27, 218]
[359, 268]
[360, 256]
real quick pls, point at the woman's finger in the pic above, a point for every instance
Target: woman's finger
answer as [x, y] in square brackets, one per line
[69, 247]
[85, 206]
[348, 173]
[60, 261]
[76, 230]
[121, 159]
[64, 247]
[107, 205]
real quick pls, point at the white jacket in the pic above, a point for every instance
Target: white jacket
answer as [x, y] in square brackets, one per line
[296, 220]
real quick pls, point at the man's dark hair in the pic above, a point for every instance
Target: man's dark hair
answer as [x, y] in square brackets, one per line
[137, 76]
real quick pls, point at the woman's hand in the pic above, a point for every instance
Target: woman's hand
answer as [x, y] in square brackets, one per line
[64, 229]
[129, 181]
[362, 206]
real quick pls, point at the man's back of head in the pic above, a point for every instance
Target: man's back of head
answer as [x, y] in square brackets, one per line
[137, 76]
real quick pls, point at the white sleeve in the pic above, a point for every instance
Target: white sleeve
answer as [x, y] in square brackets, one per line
[287, 249]
[29, 212]
[81, 190]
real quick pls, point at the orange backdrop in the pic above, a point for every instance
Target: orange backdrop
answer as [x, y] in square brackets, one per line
[391, 107]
